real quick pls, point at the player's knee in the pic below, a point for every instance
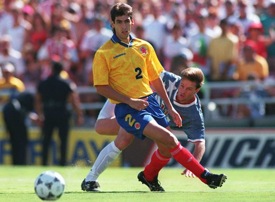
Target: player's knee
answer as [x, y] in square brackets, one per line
[171, 142]
[123, 143]
[99, 129]
[165, 152]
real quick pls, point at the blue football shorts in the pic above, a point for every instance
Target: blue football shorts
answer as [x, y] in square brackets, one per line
[134, 121]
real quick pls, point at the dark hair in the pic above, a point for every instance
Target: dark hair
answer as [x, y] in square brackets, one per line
[193, 74]
[57, 66]
[120, 9]
[224, 21]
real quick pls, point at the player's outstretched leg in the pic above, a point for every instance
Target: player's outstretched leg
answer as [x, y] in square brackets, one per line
[153, 185]
[187, 160]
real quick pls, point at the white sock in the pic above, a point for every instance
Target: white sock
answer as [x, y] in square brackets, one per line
[107, 155]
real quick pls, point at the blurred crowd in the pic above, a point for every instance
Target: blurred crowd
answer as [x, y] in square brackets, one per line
[230, 40]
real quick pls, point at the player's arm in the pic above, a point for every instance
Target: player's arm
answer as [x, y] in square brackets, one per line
[38, 106]
[109, 92]
[75, 102]
[199, 150]
[157, 84]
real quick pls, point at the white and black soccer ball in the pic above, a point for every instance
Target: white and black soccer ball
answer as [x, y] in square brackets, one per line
[49, 185]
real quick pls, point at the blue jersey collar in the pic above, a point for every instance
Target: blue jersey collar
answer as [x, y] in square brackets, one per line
[115, 39]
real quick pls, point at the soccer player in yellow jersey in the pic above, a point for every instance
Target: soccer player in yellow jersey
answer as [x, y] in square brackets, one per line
[124, 70]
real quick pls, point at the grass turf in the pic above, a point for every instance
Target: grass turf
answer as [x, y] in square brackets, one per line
[121, 184]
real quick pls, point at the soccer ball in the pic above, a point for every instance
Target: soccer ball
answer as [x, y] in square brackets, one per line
[49, 185]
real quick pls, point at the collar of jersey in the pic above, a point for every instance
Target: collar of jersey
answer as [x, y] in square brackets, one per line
[183, 105]
[115, 39]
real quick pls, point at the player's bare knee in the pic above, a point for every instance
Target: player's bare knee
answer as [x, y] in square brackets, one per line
[123, 143]
[165, 152]
[171, 142]
[99, 129]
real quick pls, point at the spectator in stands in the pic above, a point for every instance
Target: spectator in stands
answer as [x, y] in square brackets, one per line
[139, 32]
[198, 43]
[39, 32]
[260, 7]
[79, 15]
[189, 25]
[222, 53]
[236, 29]
[10, 86]
[72, 14]
[51, 99]
[9, 55]
[181, 61]
[155, 27]
[255, 34]
[245, 15]
[251, 64]
[33, 73]
[268, 22]
[56, 15]
[212, 21]
[229, 7]
[27, 12]
[20, 27]
[174, 43]
[58, 45]
[6, 21]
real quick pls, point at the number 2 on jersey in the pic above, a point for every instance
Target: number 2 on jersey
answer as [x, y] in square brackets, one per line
[139, 73]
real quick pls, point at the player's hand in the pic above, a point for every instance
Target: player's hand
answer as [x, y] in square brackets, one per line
[33, 117]
[176, 117]
[40, 121]
[188, 173]
[138, 104]
[80, 120]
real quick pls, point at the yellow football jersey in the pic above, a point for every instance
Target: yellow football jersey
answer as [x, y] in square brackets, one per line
[127, 68]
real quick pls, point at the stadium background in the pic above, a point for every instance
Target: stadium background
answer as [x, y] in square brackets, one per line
[226, 148]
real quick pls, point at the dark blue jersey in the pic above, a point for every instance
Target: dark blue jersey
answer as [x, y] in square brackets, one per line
[191, 114]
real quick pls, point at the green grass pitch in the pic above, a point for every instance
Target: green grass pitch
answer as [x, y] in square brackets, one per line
[121, 184]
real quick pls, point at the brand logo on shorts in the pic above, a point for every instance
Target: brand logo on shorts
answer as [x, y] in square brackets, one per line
[137, 125]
